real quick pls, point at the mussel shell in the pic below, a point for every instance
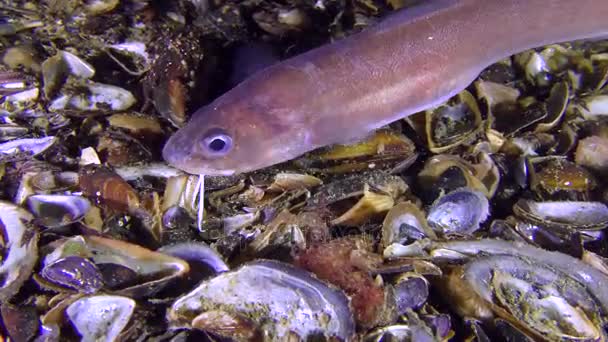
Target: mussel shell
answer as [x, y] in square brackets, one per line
[58, 210]
[536, 295]
[459, 212]
[19, 241]
[101, 317]
[275, 295]
[405, 222]
[74, 272]
[564, 215]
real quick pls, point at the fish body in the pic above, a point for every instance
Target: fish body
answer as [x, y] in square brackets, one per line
[414, 59]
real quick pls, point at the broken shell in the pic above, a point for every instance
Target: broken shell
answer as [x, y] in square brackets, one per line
[10, 132]
[269, 293]
[459, 212]
[54, 211]
[354, 186]
[26, 148]
[101, 318]
[136, 51]
[564, 215]
[556, 107]
[593, 106]
[98, 7]
[56, 69]
[535, 67]
[592, 152]
[95, 97]
[18, 102]
[18, 239]
[452, 123]
[405, 222]
[507, 112]
[445, 173]
[371, 204]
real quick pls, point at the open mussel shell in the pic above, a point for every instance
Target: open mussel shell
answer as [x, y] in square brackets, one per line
[463, 251]
[58, 210]
[18, 241]
[459, 212]
[102, 317]
[281, 299]
[126, 269]
[538, 299]
[564, 215]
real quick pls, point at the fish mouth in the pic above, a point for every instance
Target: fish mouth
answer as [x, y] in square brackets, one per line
[174, 154]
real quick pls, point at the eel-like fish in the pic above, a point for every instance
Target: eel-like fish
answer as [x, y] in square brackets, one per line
[415, 59]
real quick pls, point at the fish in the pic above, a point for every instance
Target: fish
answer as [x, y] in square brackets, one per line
[416, 58]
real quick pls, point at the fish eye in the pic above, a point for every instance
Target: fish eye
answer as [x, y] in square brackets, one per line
[217, 142]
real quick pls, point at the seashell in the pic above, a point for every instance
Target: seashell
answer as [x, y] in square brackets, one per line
[100, 182]
[384, 148]
[19, 239]
[411, 291]
[97, 97]
[293, 181]
[503, 283]
[102, 317]
[405, 222]
[27, 147]
[557, 178]
[197, 253]
[17, 102]
[99, 7]
[129, 269]
[592, 152]
[452, 123]
[21, 322]
[75, 273]
[459, 212]
[245, 292]
[371, 204]
[564, 215]
[593, 106]
[56, 69]
[556, 107]
[54, 211]
[444, 172]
